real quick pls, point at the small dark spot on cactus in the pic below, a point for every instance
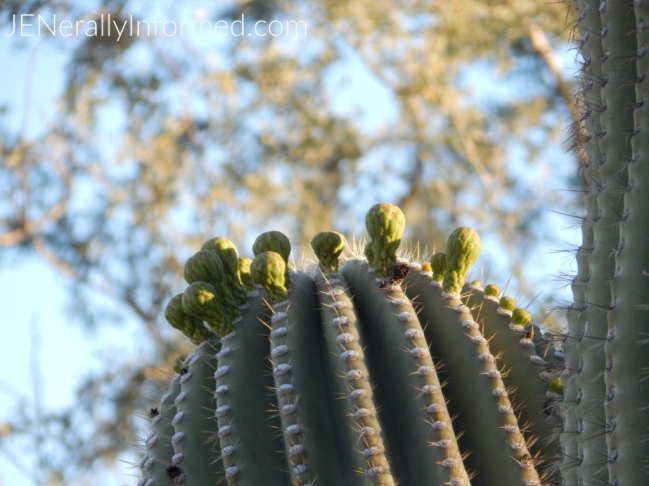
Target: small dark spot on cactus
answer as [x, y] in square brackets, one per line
[174, 472]
[399, 272]
[183, 370]
[154, 412]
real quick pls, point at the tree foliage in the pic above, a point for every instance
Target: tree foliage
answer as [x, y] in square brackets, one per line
[446, 108]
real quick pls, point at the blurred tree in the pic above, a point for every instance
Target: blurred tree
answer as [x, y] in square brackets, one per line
[446, 108]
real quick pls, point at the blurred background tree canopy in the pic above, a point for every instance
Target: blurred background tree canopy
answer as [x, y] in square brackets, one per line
[457, 111]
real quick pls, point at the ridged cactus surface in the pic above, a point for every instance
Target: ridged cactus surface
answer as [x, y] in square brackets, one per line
[356, 371]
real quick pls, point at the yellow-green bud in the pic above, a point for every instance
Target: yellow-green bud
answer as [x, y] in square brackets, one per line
[227, 252]
[200, 299]
[438, 264]
[273, 241]
[204, 266]
[491, 291]
[327, 247]
[269, 270]
[385, 224]
[189, 325]
[507, 303]
[521, 317]
[462, 250]
[244, 273]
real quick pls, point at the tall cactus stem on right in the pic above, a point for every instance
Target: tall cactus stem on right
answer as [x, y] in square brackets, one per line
[627, 356]
[589, 25]
[616, 116]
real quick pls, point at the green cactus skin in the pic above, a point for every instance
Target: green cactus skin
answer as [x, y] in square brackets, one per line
[247, 424]
[196, 450]
[269, 270]
[616, 117]
[244, 273]
[421, 442]
[589, 25]
[158, 446]
[462, 250]
[227, 252]
[525, 373]
[314, 447]
[627, 359]
[385, 224]
[356, 397]
[499, 452]
[328, 246]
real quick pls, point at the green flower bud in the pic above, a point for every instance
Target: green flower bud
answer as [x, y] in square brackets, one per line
[327, 247]
[179, 363]
[556, 385]
[244, 273]
[273, 241]
[269, 270]
[462, 250]
[507, 303]
[200, 300]
[227, 252]
[385, 224]
[190, 326]
[438, 264]
[204, 266]
[491, 291]
[521, 317]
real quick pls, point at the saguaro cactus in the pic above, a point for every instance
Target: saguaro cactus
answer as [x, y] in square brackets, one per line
[344, 359]
[380, 371]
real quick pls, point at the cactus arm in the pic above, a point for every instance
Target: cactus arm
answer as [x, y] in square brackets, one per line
[195, 447]
[422, 445]
[626, 351]
[159, 448]
[247, 427]
[509, 339]
[618, 70]
[303, 395]
[343, 341]
[499, 454]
